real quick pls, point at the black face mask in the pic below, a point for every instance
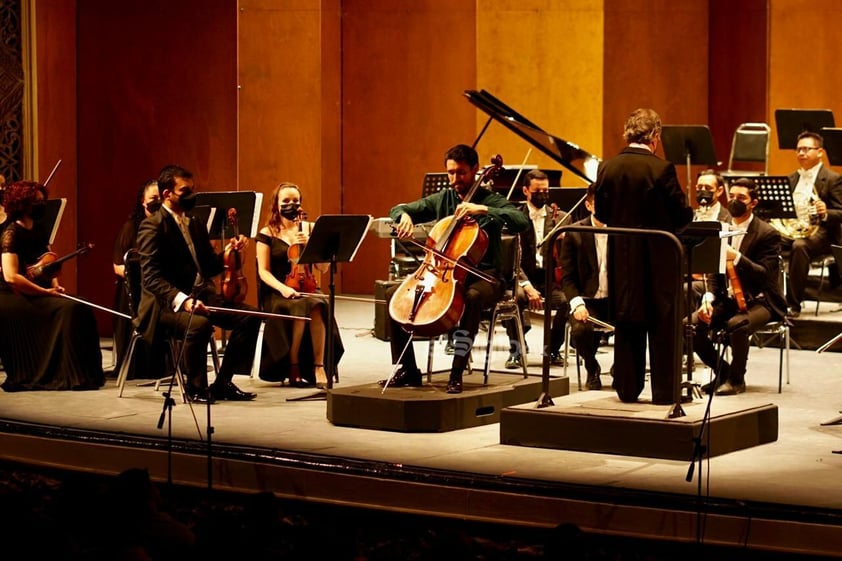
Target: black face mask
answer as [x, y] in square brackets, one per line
[704, 197]
[39, 211]
[153, 206]
[539, 200]
[737, 208]
[187, 202]
[290, 210]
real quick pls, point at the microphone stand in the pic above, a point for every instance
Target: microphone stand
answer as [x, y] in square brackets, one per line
[169, 402]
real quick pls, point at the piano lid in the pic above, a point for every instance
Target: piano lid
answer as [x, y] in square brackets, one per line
[580, 162]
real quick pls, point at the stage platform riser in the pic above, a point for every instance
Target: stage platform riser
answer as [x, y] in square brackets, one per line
[670, 439]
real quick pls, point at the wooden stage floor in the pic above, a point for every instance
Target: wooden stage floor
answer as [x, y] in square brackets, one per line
[781, 496]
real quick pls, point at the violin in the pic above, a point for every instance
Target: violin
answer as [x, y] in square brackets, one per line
[49, 265]
[736, 286]
[431, 301]
[300, 277]
[557, 271]
[234, 284]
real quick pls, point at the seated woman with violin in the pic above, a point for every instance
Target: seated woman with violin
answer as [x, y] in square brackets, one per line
[288, 287]
[47, 342]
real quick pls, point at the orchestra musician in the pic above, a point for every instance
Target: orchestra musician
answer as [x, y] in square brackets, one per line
[755, 259]
[819, 190]
[492, 212]
[281, 357]
[178, 264]
[637, 189]
[47, 342]
[147, 202]
[710, 186]
[584, 263]
[542, 219]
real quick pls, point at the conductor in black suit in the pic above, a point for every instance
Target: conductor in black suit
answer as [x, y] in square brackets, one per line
[637, 189]
[178, 264]
[584, 262]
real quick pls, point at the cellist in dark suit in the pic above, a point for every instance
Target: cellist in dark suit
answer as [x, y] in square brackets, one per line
[584, 263]
[177, 263]
[755, 260]
[637, 189]
[531, 281]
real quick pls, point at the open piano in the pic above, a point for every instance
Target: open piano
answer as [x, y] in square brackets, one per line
[580, 162]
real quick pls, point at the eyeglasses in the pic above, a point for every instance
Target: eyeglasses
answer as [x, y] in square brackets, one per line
[805, 149]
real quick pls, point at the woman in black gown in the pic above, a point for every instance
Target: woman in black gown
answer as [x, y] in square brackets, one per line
[47, 342]
[292, 350]
[148, 200]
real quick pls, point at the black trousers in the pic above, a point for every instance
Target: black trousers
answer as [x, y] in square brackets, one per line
[479, 295]
[585, 337]
[558, 302]
[196, 331]
[804, 251]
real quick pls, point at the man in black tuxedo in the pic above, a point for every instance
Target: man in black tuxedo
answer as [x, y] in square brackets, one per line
[178, 264]
[812, 184]
[584, 262]
[637, 189]
[754, 257]
[531, 280]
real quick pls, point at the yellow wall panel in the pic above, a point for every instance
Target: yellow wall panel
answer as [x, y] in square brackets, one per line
[544, 58]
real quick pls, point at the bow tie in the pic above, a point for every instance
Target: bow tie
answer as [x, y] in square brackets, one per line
[536, 214]
[806, 173]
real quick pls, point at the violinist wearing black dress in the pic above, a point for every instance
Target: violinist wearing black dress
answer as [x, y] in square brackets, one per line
[47, 342]
[492, 212]
[292, 350]
[178, 264]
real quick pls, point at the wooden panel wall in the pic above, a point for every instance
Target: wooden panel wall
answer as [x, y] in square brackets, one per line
[803, 64]
[656, 55]
[289, 104]
[157, 84]
[738, 70]
[403, 73]
[544, 59]
[55, 60]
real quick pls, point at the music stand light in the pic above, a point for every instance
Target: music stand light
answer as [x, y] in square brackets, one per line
[689, 145]
[792, 122]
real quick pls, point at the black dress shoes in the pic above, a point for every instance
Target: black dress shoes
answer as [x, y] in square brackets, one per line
[198, 395]
[515, 360]
[229, 392]
[404, 379]
[729, 388]
[594, 383]
[556, 359]
[454, 386]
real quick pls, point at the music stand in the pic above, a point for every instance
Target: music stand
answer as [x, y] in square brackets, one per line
[774, 197]
[52, 218]
[247, 204]
[832, 138]
[335, 238]
[688, 145]
[792, 122]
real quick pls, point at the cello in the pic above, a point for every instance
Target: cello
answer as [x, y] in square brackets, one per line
[431, 301]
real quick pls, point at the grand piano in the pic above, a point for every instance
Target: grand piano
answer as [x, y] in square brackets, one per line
[580, 162]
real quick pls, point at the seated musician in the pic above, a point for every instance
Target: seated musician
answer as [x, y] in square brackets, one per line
[754, 256]
[147, 202]
[178, 264]
[286, 289]
[584, 265]
[542, 219]
[47, 342]
[492, 212]
[710, 186]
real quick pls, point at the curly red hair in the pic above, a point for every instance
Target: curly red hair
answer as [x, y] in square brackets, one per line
[19, 197]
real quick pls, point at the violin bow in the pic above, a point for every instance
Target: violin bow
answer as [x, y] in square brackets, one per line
[97, 306]
[517, 177]
[52, 173]
[454, 262]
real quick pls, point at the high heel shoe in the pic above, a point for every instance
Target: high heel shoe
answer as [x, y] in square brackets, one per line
[294, 378]
[321, 384]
